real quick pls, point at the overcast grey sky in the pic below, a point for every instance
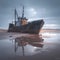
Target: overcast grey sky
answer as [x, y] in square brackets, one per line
[49, 10]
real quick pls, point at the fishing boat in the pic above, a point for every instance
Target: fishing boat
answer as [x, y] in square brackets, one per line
[21, 25]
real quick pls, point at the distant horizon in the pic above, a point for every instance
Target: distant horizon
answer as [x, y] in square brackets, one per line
[5, 28]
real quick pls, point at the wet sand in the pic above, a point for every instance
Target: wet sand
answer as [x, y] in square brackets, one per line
[11, 47]
[51, 30]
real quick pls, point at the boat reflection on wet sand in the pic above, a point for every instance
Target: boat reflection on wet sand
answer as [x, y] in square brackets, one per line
[16, 46]
[23, 41]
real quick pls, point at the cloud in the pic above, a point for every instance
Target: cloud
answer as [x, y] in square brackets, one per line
[44, 9]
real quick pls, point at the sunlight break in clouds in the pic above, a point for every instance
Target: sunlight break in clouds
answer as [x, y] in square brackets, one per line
[32, 11]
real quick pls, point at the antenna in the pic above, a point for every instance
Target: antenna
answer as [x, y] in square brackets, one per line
[23, 12]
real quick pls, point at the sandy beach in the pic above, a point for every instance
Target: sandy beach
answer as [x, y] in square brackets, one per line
[18, 46]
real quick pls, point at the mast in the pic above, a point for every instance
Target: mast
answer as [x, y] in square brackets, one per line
[23, 12]
[16, 15]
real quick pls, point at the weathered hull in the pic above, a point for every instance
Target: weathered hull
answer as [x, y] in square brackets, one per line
[32, 28]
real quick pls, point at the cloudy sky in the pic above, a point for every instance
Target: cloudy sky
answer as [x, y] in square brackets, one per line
[49, 10]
